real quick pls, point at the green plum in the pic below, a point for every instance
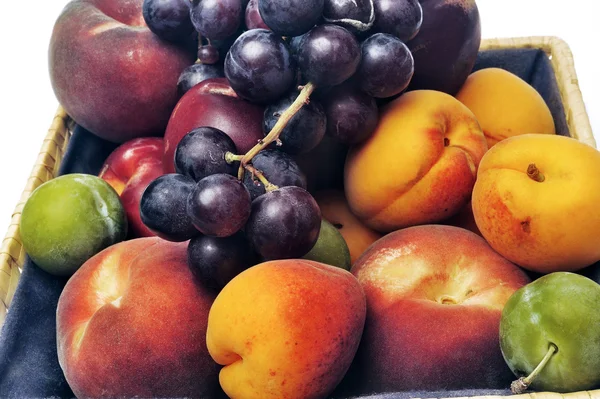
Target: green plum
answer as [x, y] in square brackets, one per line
[69, 219]
[553, 323]
[331, 248]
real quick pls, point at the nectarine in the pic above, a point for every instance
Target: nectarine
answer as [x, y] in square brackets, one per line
[435, 295]
[111, 73]
[129, 169]
[446, 47]
[132, 322]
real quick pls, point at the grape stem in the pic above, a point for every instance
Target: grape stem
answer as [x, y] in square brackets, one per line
[301, 100]
[230, 157]
[356, 24]
[519, 386]
[255, 172]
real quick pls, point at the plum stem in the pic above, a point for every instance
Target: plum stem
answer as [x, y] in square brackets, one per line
[534, 173]
[358, 25]
[301, 100]
[519, 386]
[255, 172]
[230, 157]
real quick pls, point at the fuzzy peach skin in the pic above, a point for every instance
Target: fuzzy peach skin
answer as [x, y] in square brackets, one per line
[132, 321]
[111, 73]
[334, 208]
[434, 300]
[286, 329]
[505, 105]
[420, 164]
[544, 226]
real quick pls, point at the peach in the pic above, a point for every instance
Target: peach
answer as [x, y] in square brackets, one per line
[505, 105]
[536, 202]
[111, 73]
[131, 322]
[334, 208]
[286, 329]
[420, 164]
[435, 296]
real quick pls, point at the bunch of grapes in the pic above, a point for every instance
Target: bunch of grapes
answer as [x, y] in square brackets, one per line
[232, 223]
[318, 67]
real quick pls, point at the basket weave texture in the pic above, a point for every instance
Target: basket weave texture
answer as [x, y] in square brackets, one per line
[12, 254]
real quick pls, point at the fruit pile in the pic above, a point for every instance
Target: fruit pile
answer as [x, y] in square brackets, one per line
[301, 228]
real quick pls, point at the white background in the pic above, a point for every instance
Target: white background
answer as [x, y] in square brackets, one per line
[27, 103]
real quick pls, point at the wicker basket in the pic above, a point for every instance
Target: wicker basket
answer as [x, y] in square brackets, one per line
[12, 255]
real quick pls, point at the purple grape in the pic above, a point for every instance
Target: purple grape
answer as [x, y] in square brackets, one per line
[168, 19]
[215, 261]
[294, 44]
[163, 207]
[253, 18]
[259, 66]
[201, 153]
[329, 54]
[354, 15]
[278, 168]
[219, 205]
[284, 223]
[387, 66]
[208, 54]
[216, 19]
[352, 115]
[197, 73]
[290, 17]
[304, 131]
[401, 18]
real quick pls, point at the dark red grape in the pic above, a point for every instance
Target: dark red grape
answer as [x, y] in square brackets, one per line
[216, 19]
[208, 54]
[304, 131]
[290, 17]
[387, 66]
[352, 115]
[197, 73]
[201, 153]
[284, 223]
[219, 205]
[163, 207]
[354, 15]
[253, 18]
[278, 168]
[401, 18]
[259, 66]
[168, 19]
[329, 54]
[215, 261]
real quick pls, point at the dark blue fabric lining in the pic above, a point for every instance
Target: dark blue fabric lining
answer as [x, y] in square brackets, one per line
[28, 362]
